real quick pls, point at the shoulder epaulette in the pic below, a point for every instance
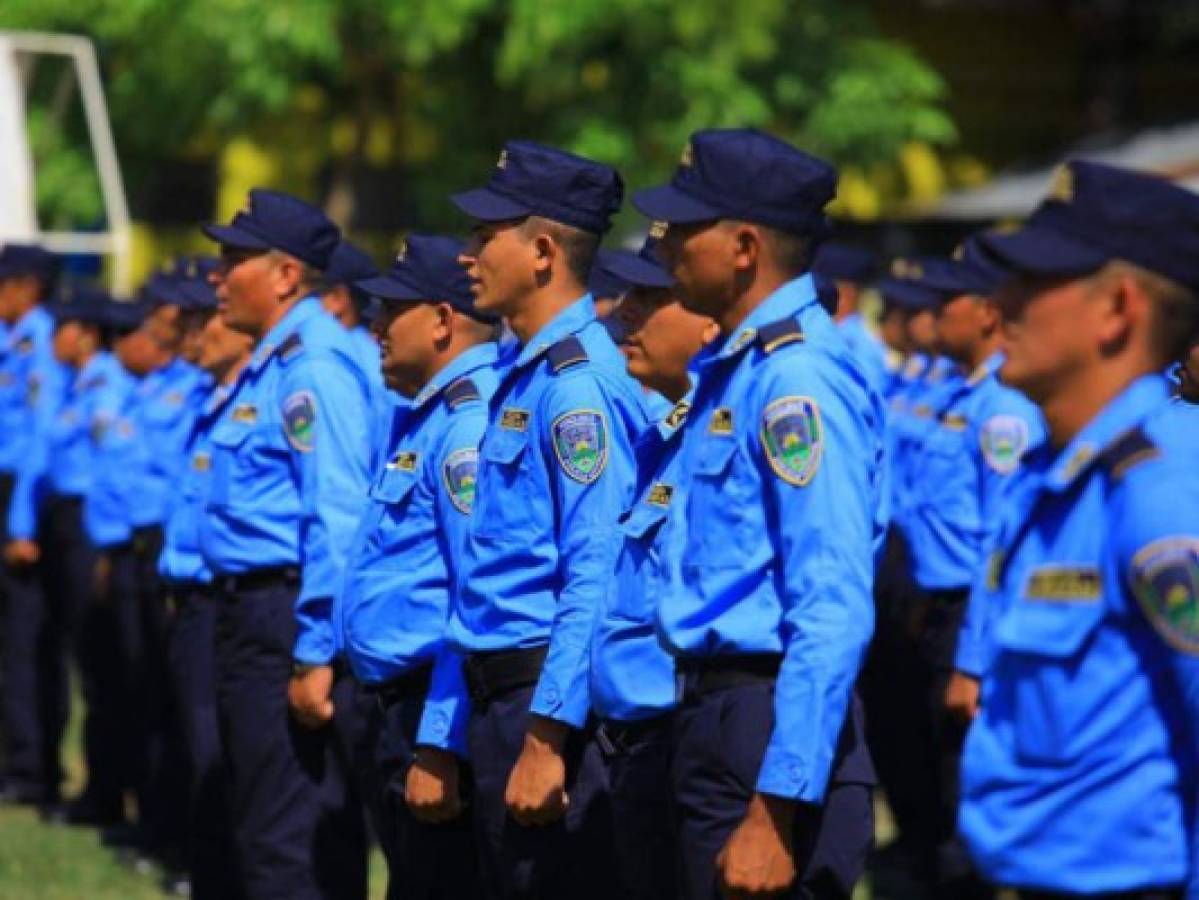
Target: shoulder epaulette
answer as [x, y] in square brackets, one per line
[779, 334]
[461, 391]
[290, 347]
[566, 353]
[1130, 449]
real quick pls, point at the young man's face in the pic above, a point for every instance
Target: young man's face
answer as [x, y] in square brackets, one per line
[961, 327]
[501, 262]
[702, 258]
[660, 336]
[407, 332]
[1050, 329]
[68, 337]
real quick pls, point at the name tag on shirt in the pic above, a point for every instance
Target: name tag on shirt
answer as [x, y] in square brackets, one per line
[404, 461]
[1064, 584]
[515, 419]
[660, 494]
[245, 413]
[722, 421]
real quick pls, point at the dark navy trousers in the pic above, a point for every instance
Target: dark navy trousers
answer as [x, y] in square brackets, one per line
[570, 858]
[720, 740]
[298, 822]
[644, 848]
[209, 819]
[425, 861]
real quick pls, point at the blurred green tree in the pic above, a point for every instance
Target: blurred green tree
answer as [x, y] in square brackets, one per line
[433, 87]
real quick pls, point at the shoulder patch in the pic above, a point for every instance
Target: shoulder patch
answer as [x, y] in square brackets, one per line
[291, 345]
[793, 437]
[1003, 440]
[779, 334]
[566, 353]
[299, 420]
[1165, 580]
[463, 390]
[1128, 450]
[458, 473]
[581, 444]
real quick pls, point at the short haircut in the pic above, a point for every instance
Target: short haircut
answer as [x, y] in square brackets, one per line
[578, 246]
[1176, 322]
[792, 253]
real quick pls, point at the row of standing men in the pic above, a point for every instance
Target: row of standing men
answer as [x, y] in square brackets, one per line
[579, 616]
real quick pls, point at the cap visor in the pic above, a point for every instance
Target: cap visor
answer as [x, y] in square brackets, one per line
[486, 205]
[389, 287]
[228, 236]
[667, 203]
[908, 294]
[1037, 250]
[639, 272]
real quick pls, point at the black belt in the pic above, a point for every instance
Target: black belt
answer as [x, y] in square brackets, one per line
[615, 736]
[706, 675]
[257, 579]
[488, 675]
[414, 684]
[1146, 894]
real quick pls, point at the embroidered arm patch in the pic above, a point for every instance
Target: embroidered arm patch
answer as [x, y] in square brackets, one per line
[458, 473]
[581, 444]
[1004, 440]
[299, 420]
[1165, 579]
[793, 437]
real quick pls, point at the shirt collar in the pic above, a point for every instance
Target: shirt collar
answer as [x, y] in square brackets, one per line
[789, 300]
[1124, 412]
[463, 364]
[569, 321]
[986, 369]
[304, 309]
[99, 361]
[670, 424]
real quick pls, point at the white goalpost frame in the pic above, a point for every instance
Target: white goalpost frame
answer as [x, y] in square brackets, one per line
[117, 240]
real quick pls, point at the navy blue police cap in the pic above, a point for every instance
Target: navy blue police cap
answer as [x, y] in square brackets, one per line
[532, 179]
[845, 262]
[1095, 213]
[644, 268]
[273, 220]
[427, 270]
[826, 293]
[163, 287]
[971, 270]
[906, 287]
[124, 316]
[601, 283]
[745, 174]
[80, 303]
[195, 287]
[348, 264]
[28, 259]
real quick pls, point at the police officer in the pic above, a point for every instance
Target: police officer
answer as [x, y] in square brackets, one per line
[555, 470]
[32, 383]
[220, 353]
[1079, 771]
[783, 446]
[440, 353]
[289, 470]
[53, 484]
[852, 269]
[961, 471]
[632, 676]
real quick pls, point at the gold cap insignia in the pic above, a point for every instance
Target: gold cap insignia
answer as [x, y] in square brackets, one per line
[402, 251]
[658, 230]
[1062, 188]
[688, 157]
[502, 162]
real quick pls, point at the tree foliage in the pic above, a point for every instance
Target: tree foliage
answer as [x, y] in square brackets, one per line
[435, 86]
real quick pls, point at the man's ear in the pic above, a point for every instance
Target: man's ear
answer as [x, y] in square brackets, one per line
[289, 275]
[747, 245]
[443, 326]
[545, 252]
[1126, 308]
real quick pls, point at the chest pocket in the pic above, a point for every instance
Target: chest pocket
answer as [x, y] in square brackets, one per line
[1046, 642]
[235, 463]
[504, 506]
[639, 561]
[723, 500]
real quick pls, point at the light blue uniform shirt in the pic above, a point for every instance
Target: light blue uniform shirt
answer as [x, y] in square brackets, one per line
[1079, 773]
[960, 471]
[33, 386]
[290, 462]
[119, 468]
[93, 400]
[168, 401]
[867, 349]
[784, 449]
[632, 676]
[409, 544]
[556, 469]
[181, 559]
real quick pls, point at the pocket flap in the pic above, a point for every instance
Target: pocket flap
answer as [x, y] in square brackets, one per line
[714, 454]
[393, 485]
[643, 519]
[1059, 610]
[504, 445]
